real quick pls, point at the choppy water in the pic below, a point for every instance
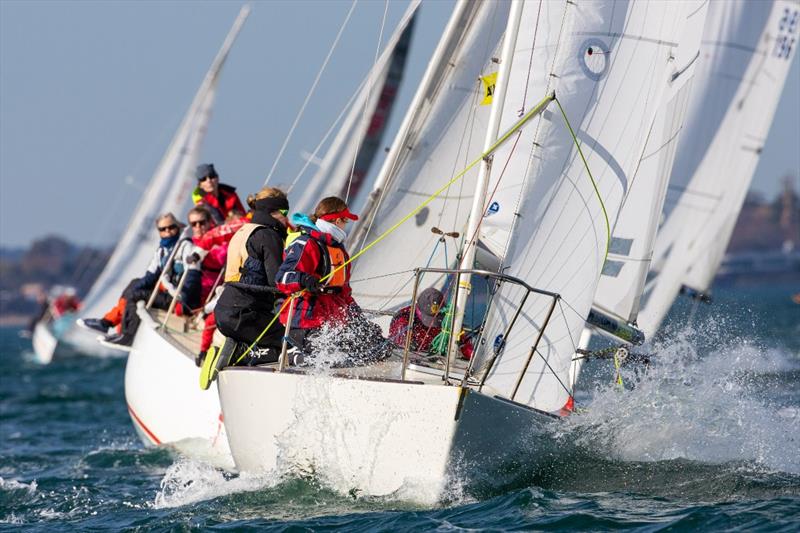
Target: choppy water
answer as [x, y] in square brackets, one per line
[708, 437]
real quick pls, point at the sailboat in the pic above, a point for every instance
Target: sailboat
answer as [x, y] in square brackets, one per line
[167, 191]
[572, 88]
[746, 56]
[161, 378]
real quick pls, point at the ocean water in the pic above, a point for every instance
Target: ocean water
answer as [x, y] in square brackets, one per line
[707, 437]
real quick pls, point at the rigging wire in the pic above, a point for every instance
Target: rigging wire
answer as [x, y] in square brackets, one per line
[368, 99]
[311, 92]
[497, 144]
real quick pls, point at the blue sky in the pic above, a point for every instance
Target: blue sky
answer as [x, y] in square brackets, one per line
[91, 92]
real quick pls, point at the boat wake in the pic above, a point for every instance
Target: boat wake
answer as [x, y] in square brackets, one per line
[708, 406]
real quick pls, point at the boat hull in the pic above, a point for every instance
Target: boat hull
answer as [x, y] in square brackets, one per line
[379, 437]
[44, 343]
[165, 401]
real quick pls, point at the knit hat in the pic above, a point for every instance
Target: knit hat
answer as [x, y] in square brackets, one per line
[206, 169]
[428, 304]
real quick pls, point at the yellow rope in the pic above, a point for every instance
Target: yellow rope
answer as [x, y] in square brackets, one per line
[594, 184]
[497, 144]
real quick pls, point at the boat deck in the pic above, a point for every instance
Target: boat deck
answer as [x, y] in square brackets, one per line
[422, 368]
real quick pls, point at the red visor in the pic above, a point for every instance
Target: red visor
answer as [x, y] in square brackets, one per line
[344, 213]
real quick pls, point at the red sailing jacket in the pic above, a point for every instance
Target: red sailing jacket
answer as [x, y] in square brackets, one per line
[220, 206]
[308, 255]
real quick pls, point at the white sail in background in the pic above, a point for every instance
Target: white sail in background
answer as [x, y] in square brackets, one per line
[609, 64]
[168, 190]
[747, 52]
[441, 133]
[334, 171]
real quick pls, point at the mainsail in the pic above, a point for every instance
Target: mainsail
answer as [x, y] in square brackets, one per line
[356, 144]
[167, 190]
[441, 132]
[746, 55]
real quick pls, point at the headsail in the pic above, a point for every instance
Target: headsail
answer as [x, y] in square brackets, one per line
[358, 140]
[633, 237]
[747, 52]
[609, 64]
[167, 190]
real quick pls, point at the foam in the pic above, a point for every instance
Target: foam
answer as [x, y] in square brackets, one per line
[707, 397]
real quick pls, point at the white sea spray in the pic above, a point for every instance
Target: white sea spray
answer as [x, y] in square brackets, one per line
[706, 397]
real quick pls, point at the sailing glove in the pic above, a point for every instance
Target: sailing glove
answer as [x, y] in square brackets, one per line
[311, 284]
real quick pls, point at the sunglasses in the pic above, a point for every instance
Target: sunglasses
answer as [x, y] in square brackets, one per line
[171, 227]
[284, 212]
[194, 223]
[201, 180]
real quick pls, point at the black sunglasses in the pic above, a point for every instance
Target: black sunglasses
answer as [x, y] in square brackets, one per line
[194, 223]
[201, 180]
[168, 228]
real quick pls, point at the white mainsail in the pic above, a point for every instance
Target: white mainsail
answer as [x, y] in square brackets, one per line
[746, 55]
[442, 131]
[340, 160]
[168, 190]
[609, 64]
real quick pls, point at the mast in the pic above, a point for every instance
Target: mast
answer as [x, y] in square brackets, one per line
[476, 213]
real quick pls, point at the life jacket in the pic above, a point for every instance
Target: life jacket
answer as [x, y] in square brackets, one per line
[335, 259]
[239, 261]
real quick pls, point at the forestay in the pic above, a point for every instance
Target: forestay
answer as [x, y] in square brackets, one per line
[168, 190]
[358, 140]
[609, 64]
[746, 56]
[441, 133]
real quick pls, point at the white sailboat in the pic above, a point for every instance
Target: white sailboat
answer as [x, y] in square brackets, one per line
[746, 55]
[161, 379]
[167, 190]
[425, 424]
[156, 387]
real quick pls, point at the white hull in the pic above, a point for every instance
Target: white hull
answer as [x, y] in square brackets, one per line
[85, 342]
[44, 343]
[165, 401]
[378, 437]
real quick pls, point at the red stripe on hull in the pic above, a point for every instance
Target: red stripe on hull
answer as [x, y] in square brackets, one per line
[144, 428]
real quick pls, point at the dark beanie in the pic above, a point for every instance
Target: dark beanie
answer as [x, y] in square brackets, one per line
[206, 169]
[269, 205]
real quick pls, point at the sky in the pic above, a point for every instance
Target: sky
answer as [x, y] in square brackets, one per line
[91, 93]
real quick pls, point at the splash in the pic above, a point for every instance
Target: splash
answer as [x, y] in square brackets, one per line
[708, 397]
[189, 481]
[9, 485]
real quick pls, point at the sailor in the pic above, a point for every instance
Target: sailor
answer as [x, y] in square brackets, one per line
[216, 251]
[427, 324]
[187, 258]
[247, 303]
[221, 200]
[318, 252]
